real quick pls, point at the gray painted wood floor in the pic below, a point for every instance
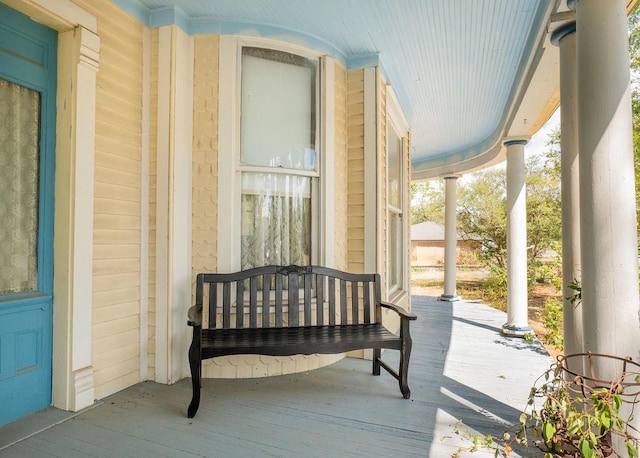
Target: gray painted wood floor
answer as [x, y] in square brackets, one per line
[462, 368]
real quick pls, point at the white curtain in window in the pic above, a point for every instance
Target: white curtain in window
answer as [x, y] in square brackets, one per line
[276, 219]
[393, 152]
[19, 147]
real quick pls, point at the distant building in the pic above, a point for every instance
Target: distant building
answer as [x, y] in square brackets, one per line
[427, 245]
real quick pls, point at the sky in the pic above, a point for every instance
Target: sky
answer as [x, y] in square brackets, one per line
[538, 142]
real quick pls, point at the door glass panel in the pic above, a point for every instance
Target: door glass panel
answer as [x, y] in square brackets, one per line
[19, 146]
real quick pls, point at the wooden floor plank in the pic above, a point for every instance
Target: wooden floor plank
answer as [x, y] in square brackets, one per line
[462, 368]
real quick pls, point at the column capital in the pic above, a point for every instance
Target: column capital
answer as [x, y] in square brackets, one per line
[451, 176]
[509, 141]
[563, 31]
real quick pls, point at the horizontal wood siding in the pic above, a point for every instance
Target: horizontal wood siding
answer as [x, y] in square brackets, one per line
[117, 204]
[153, 180]
[355, 170]
[382, 189]
[340, 167]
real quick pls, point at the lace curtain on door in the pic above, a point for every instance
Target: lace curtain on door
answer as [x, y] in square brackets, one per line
[19, 147]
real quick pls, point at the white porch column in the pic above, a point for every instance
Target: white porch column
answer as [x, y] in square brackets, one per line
[517, 314]
[565, 38]
[607, 192]
[450, 240]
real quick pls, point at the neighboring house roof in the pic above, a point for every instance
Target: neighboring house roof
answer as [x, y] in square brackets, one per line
[427, 230]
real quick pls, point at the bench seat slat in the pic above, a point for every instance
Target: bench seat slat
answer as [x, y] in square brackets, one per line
[294, 341]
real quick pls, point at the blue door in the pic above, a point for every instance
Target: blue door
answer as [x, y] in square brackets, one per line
[27, 152]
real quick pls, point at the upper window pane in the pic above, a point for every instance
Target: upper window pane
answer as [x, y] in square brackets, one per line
[278, 109]
[393, 164]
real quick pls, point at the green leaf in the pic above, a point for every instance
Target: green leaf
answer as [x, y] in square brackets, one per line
[605, 419]
[586, 448]
[548, 430]
[616, 401]
[632, 449]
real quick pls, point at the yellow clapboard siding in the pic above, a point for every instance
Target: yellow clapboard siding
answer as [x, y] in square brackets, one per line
[115, 236]
[116, 266]
[105, 129]
[114, 326]
[117, 192]
[121, 368]
[153, 123]
[114, 341]
[113, 386]
[114, 312]
[111, 221]
[105, 359]
[116, 251]
[115, 281]
[124, 102]
[117, 155]
[119, 207]
[115, 297]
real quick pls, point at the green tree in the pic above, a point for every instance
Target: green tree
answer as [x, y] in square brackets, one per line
[482, 213]
[427, 201]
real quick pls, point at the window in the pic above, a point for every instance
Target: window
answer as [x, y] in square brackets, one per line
[19, 188]
[278, 164]
[395, 206]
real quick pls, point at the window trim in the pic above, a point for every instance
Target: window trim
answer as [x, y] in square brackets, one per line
[397, 123]
[230, 168]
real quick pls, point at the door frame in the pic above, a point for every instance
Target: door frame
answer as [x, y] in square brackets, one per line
[78, 62]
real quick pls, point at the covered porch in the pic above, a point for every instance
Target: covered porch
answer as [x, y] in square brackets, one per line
[337, 410]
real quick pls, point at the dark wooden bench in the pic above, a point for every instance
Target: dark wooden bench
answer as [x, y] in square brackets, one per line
[249, 312]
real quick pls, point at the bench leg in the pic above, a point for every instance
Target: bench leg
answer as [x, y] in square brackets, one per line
[405, 354]
[376, 361]
[195, 363]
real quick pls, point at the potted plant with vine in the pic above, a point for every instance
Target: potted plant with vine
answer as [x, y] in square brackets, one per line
[579, 415]
[573, 415]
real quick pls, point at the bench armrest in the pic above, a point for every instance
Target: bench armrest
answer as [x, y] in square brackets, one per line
[400, 311]
[194, 316]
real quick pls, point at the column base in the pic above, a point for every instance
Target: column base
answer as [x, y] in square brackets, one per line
[450, 297]
[516, 331]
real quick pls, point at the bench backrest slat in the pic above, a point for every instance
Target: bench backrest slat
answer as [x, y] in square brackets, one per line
[253, 302]
[226, 305]
[320, 300]
[213, 294]
[266, 282]
[289, 296]
[366, 294]
[240, 305]
[279, 317]
[332, 301]
[343, 301]
[293, 300]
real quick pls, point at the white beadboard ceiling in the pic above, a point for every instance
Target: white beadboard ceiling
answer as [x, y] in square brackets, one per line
[459, 68]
